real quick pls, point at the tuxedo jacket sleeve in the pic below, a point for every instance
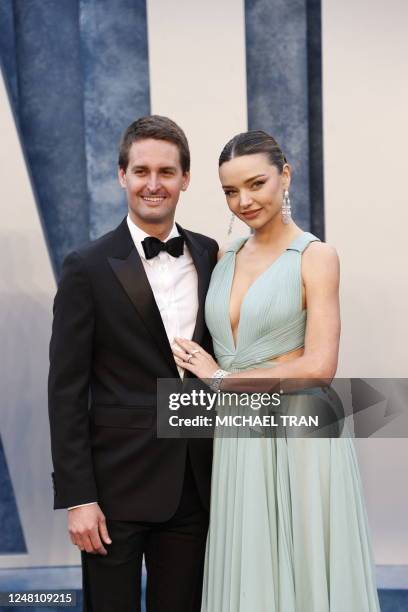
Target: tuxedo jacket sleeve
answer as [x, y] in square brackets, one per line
[68, 386]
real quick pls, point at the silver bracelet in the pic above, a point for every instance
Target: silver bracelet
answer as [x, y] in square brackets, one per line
[217, 378]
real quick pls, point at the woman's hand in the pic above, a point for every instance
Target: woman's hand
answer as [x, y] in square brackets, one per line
[190, 356]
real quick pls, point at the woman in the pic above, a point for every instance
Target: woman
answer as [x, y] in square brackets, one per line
[288, 530]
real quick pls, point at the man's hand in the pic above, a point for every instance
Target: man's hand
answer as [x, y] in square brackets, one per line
[87, 529]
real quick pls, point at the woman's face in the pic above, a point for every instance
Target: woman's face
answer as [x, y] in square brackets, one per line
[254, 188]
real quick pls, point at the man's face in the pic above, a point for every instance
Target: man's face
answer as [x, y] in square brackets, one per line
[153, 180]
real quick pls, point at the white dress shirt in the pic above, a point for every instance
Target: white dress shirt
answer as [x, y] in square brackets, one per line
[174, 284]
[175, 288]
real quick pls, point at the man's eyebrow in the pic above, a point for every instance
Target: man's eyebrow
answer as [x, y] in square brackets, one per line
[141, 167]
[252, 178]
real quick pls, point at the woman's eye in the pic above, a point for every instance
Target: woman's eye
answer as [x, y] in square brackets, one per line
[258, 183]
[229, 193]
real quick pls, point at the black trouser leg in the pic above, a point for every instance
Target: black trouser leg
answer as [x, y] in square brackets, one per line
[113, 582]
[174, 554]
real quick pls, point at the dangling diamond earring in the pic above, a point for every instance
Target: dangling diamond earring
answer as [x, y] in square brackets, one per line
[231, 223]
[286, 208]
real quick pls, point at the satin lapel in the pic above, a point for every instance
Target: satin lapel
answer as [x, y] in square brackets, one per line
[132, 276]
[202, 263]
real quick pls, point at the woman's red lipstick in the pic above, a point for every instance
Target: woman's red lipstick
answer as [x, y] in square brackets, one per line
[250, 214]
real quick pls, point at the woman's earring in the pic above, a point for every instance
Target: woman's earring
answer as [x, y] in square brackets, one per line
[231, 223]
[286, 208]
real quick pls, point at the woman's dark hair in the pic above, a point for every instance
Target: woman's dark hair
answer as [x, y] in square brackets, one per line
[158, 128]
[249, 143]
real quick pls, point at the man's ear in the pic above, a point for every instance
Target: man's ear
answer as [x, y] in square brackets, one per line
[186, 181]
[122, 177]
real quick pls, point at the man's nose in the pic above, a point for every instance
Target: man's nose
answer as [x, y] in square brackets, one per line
[153, 182]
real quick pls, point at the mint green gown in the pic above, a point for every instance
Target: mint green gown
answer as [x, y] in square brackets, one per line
[288, 528]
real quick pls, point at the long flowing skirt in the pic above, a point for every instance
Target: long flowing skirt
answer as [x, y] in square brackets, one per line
[288, 528]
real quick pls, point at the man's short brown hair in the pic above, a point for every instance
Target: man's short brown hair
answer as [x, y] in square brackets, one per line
[159, 128]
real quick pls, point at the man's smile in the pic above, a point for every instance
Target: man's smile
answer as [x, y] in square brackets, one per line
[154, 199]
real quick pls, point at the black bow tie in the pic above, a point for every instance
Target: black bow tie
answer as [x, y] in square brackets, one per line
[153, 246]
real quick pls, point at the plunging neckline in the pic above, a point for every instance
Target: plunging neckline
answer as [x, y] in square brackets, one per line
[235, 343]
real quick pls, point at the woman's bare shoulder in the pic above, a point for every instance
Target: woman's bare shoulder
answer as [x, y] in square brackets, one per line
[320, 251]
[233, 245]
[221, 252]
[320, 260]
[224, 248]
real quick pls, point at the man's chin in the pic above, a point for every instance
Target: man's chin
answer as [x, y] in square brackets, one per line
[154, 216]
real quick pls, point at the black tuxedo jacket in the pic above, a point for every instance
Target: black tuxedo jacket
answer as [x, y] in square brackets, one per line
[108, 347]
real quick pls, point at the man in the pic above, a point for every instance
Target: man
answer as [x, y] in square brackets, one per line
[120, 303]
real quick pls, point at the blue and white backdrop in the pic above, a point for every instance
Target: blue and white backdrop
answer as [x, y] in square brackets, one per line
[75, 73]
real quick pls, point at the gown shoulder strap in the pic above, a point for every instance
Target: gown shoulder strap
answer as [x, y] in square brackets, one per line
[235, 245]
[302, 241]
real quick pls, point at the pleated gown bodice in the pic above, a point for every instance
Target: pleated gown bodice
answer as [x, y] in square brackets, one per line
[272, 321]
